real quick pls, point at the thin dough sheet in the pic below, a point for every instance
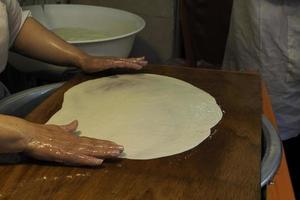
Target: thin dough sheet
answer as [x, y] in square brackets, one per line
[153, 116]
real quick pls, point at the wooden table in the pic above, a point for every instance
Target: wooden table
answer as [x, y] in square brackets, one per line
[225, 166]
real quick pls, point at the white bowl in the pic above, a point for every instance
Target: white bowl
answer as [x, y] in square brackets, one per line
[121, 27]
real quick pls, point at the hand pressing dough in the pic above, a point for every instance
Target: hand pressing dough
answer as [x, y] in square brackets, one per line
[153, 116]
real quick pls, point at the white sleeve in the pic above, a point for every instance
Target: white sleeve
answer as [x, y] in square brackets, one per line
[16, 18]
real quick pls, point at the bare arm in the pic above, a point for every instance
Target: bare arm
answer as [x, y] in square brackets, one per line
[53, 142]
[35, 41]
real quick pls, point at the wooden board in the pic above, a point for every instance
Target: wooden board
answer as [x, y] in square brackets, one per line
[225, 166]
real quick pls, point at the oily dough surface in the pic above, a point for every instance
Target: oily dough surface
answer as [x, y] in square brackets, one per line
[153, 116]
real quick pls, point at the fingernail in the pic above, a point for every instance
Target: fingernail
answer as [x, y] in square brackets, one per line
[120, 147]
[115, 153]
[99, 161]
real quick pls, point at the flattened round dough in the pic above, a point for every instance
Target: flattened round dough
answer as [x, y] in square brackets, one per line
[151, 115]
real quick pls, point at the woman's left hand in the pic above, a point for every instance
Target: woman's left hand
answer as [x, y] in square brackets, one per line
[92, 64]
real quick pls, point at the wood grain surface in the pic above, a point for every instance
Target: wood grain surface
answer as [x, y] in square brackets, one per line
[224, 166]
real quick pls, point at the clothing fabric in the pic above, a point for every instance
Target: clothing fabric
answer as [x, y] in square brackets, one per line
[11, 20]
[264, 35]
[4, 92]
[291, 148]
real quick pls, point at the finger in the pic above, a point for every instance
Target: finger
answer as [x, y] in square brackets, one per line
[71, 127]
[92, 147]
[141, 58]
[133, 59]
[100, 152]
[138, 58]
[57, 154]
[139, 62]
[120, 64]
[105, 144]
[79, 159]
[126, 64]
[143, 63]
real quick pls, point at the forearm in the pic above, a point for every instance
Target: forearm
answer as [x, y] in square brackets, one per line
[12, 134]
[35, 41]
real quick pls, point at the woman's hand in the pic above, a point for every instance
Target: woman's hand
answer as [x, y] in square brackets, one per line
[54, 143]
[91, 64]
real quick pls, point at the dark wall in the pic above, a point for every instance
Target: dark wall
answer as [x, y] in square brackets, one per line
[208, 22]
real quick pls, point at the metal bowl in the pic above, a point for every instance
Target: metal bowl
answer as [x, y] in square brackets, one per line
[22, 103]
[272, 152]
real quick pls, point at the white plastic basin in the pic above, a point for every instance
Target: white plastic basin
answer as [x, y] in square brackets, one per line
[120, 26]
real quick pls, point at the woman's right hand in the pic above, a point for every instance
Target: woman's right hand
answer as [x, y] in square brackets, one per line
[54, 143]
